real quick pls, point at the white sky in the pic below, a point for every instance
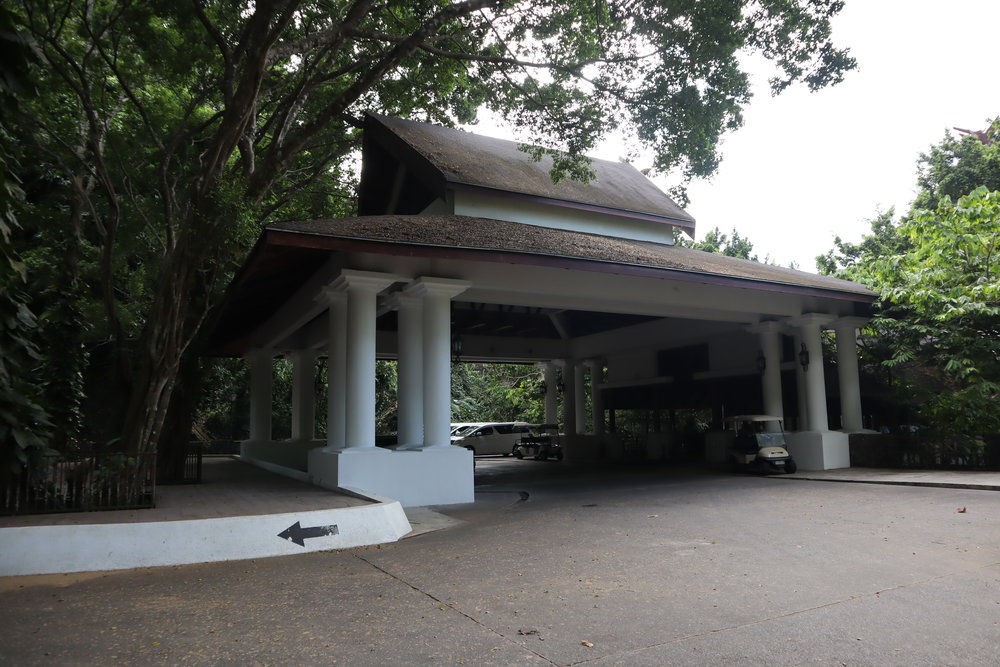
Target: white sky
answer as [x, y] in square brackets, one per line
[808, 166]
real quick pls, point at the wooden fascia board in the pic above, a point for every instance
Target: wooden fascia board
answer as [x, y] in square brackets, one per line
[341, 243]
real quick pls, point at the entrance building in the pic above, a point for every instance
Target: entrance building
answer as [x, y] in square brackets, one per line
[462, 242]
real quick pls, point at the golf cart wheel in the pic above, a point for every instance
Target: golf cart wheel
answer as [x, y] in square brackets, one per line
[790, 466]
[559, 456]
[519, 454]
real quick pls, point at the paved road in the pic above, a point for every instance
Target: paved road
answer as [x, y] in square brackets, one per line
[604, 567]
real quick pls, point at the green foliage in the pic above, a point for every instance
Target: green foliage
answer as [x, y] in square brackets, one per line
[24, 424]
[168, 133]
[850, 261]
[496, 392]
[723, 244]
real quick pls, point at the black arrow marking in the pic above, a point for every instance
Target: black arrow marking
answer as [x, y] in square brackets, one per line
[296, 533]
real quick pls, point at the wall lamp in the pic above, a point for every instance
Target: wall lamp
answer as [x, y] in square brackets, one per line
[456, 348]
[761, 362]
[804, 357]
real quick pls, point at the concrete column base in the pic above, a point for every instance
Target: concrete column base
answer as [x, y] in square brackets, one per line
[581, 448]
[717, 446]
[417, 477]
[819, 450]
[292, 454]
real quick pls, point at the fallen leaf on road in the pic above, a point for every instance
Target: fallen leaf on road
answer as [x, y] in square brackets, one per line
[527, 631]
[587, 644]
[961, 510]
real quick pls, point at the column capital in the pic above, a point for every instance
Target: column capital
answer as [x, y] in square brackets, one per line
[767, 326]
[373, 281]
[332, 295]
[811, 319]
[302, 354]
[430, 286]
[850, 322]
[400, 300]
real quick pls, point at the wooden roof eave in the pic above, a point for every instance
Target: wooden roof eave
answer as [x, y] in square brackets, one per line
[414, 249]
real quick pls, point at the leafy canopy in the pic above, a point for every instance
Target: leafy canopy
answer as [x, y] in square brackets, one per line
[937, 272]
[169, 131]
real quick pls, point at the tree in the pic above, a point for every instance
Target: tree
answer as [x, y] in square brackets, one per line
[936, 271]
[717, 242]
[23, 422]
[941, 308]
[170, 131]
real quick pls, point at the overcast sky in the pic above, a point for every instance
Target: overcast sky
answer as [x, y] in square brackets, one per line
[808, 166]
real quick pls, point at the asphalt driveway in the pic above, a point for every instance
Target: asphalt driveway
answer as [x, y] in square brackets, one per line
[608, 566]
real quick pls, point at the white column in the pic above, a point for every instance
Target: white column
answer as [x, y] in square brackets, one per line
[437, 294]
[410, 368]
[809, 328]
[800, 383]
[770, 347]
[261, 383]
[580, 399]
[596, 397]
[336, 373]
[303, 394]
[847, 370]
[362, 288]
[551, 394]
[569, 398]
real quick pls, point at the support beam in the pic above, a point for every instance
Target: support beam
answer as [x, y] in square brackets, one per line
[303, 394]
[261, 386]
[336, 404]
[596, 395]
[410, 368]
[437, 294]
[770, 348]
[847, 371]
[580, 399]
[809, 327]
[569, 398]
[551, 393]
[362, 288]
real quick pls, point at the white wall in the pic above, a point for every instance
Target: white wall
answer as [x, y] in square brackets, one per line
[487, 205]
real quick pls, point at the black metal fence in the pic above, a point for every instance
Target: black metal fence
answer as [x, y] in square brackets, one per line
[915, 450]
[81, 482]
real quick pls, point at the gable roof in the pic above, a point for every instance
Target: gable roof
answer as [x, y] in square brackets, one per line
[500, 240]
[441, 159]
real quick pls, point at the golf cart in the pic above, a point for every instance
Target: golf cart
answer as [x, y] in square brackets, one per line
[755, 450]
[541, 442]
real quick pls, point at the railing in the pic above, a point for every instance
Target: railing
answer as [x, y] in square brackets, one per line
[80, 483]
[914, 450]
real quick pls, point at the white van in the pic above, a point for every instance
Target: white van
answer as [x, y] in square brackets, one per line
[491, 438]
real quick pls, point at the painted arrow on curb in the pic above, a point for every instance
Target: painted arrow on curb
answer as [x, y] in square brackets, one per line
[296, 533]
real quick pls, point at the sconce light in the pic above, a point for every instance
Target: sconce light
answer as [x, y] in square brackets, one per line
[761, 362]
[804, 357]
[456, 348]
[560, 386]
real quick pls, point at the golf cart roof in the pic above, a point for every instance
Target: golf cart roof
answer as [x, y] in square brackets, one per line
[753, 418]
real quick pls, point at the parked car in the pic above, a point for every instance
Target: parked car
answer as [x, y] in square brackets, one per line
[542, 441]
[490, 438]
